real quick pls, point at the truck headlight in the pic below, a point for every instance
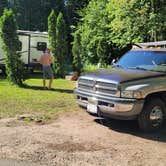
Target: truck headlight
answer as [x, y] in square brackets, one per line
[132, 94]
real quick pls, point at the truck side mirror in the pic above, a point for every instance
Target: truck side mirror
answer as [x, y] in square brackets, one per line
[114, 61]
[41, 46]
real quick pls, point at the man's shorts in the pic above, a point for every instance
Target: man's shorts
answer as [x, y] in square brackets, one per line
[47, 72]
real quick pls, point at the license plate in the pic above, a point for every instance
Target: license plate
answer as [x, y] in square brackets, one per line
[92, 108]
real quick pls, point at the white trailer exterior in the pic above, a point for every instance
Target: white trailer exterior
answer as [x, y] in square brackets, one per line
[30, 54]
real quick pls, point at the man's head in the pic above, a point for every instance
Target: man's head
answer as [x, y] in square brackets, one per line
[47, 50]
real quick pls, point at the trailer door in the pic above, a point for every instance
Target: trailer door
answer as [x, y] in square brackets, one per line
[25, 52]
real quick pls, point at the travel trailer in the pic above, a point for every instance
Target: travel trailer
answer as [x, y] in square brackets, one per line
[32, 46]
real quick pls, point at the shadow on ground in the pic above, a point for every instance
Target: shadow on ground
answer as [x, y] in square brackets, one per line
[2, 76]
[52, 89]
[35, 75]
[131, 127]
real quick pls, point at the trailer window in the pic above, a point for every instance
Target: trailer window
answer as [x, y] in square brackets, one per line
[41, 46]
[19, 46]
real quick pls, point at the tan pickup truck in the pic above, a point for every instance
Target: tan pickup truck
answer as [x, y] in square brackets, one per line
[135, 87]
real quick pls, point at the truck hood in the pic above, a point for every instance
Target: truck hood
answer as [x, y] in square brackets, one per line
[119, 75]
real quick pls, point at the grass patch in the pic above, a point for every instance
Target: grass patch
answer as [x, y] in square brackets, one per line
[34, 100]
[90, 67]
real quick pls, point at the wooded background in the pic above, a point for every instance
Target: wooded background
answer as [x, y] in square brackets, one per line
[96, 30]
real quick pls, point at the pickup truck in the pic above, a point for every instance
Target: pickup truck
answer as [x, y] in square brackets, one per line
[135, 88]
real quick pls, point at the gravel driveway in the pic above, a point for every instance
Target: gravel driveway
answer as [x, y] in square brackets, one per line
[16, 163]
[78, 138]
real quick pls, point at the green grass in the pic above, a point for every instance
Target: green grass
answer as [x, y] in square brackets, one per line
[91, 67]
[34, 100]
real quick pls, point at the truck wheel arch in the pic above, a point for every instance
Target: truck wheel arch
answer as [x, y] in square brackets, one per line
[161, 95]
[152, 115]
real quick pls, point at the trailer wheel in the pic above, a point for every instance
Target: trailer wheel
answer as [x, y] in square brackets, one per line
[32, 71]
[152, 115]
[3, 71]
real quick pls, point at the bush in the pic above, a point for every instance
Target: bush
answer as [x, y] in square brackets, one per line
[14, 65]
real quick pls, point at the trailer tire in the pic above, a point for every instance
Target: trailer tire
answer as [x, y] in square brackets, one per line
[3, 71]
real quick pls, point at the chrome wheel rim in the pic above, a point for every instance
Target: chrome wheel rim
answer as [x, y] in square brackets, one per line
[156, 116]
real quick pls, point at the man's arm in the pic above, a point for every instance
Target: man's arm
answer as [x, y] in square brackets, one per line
[41, 60]
[50, 59]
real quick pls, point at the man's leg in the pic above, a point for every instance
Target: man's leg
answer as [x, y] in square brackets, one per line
[50, 82]
[44, 83]
[44, 76]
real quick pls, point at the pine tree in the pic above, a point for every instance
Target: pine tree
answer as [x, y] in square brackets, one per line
[52, 37]
[76, 52]
[61, 46]
[8, 32]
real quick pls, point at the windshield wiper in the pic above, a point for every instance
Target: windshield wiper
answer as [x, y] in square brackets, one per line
[141, 68]
[137, 67]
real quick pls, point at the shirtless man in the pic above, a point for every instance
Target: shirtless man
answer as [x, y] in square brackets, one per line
[46, 61]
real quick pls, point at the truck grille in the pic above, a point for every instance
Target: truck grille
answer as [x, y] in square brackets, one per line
[98, 87]
[86, 85]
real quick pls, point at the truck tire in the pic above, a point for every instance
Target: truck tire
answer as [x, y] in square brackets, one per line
[152, 116]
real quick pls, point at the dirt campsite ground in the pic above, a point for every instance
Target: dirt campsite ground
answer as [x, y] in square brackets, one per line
[77, 138]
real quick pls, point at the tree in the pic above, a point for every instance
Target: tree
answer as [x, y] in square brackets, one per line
[52, 37]
[72, 9]
[93, 31]
[3, 5]
[61, 46]
[157, 21]
[108, 29]
[76, 51]
[8, 32]
[129, 21]
[32, 15]
[102, 52]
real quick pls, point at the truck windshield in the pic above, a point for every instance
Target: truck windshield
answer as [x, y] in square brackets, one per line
[144, 60]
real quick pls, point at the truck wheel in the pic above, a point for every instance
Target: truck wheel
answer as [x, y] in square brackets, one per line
[152, 115]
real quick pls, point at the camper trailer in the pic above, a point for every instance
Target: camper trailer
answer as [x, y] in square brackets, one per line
[32, 46]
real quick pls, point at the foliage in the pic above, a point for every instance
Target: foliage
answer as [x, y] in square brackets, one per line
[76, 51]
[52, 36]
[32, 15]
[72, 7]
[71, 15]
[157, 21]
[129, 21]
[136, 21]
[103, 56]
[61, 46]
[8, 32]
[90, 67]
[107, 28]
[93, 32]
[3, 5]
